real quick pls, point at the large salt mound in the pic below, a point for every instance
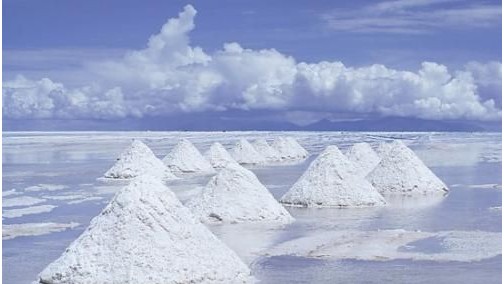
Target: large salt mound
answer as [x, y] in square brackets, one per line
[363, 157]
[145, 235]
[244, 153]
[289, 149]
[185, 158]
[327, 183]
[137, 160]
[262, 146]
[236, 195]
[218, 156]
[402, 172]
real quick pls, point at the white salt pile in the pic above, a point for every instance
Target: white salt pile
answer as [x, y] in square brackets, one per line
[363, 157]
[327, 183]
[262, 146]
[402, 172]
[289, 148]
[218, 156]
[185, 158]
[383, 149]
[244, 153]
[145, 235]
[236, 195]
[136, 160]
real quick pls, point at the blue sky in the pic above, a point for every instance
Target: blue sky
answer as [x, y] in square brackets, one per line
[304, 59]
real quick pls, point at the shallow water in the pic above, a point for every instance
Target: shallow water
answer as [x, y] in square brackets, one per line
[464, 161]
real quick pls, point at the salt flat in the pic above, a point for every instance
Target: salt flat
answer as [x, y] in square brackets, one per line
[438, 243]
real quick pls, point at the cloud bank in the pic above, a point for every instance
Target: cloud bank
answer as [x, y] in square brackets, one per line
[171, 76]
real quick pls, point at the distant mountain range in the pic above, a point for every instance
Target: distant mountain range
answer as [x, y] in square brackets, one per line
[195, 123]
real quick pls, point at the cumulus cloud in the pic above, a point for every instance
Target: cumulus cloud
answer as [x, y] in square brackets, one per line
[170, 75]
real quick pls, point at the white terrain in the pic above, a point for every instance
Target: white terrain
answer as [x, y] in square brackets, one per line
[184, 158]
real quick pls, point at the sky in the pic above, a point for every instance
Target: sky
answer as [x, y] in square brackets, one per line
[295, 61]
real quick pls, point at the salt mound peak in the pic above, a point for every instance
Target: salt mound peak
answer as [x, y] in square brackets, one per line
[363, 157]
[289, 148]
[218, 156]
[236, 195]
[136, 160]
[262, 146]
[402, 172]
[145, 235]
[383, 149]
[326, 183]
[244, 153]
[185, 158]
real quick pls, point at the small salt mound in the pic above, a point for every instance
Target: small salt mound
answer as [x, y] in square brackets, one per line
[402, 172]
[137, 160]
[236, 195]
[185, 158]
[289, 149]
[363, 157]
[327, 183]
[145, 235]
[383, 149]
[244, 153]
[262, 146]
[218, 156]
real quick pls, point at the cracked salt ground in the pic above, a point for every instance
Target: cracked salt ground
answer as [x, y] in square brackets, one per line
[465, 211]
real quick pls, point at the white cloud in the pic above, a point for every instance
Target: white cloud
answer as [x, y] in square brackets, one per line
[170, 75]
[414, 16]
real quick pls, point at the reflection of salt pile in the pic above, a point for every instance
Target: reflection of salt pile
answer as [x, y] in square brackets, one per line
[262, 146]
[185, 158]
[383, 149]
[401, 171]
[327, 183]
[136, 160]
[218, 156]
[289, 148]
[244, 153]
[145, 235]
[363, 157]
[236, 195]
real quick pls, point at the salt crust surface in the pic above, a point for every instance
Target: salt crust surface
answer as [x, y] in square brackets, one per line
[45, 187]
[18, 212]
[136, 160]
[330, 181]
[463, 246]
[244, 153]
[218, 156]
[21, 201]
[402, 172]
[235, 195]
[185, 158]
[145, 235]
[12, 231]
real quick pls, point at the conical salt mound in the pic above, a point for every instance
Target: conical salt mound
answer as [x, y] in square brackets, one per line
[262, 146]
[136, 160]
[363, 157]
[185, 158]
[383, 149]
[244, 153]
[218, 156]
[326, 183]
[236, 195]
[289, 149]
[300, 150]
[145, 235]
[402, 172]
